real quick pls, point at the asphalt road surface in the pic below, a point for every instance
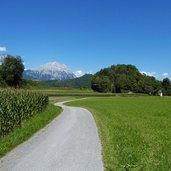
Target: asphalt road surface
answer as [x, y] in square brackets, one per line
[69, 143]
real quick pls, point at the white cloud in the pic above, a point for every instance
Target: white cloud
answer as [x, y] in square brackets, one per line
[79, 73]
[3, 49]
[165, 75]
[151, 74]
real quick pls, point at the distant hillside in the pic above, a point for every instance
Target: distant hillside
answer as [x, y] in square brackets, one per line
[123, 78]
[81, 82]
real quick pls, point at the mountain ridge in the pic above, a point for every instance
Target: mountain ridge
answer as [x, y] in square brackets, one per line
[81, 82]
[49, 71]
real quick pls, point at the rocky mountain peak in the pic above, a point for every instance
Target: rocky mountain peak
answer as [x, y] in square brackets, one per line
[49, 71]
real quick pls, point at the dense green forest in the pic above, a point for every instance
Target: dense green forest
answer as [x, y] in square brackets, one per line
[81, 82]
[127, 78]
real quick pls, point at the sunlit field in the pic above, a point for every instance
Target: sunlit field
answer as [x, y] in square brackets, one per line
[135, 131]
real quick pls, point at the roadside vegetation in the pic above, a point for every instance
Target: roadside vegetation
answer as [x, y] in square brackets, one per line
[17, 107]
[22, 113]
[29, 127]
[135, 131]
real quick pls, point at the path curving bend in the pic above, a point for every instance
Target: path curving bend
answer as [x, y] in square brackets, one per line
[69, 143]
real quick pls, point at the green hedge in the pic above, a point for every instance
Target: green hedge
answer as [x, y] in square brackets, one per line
[17, 106]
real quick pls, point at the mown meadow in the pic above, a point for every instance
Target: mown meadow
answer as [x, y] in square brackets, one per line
[135, 131]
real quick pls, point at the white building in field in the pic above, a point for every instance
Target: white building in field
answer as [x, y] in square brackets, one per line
[160, 93]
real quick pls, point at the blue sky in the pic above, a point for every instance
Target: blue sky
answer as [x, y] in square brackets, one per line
[89, 35]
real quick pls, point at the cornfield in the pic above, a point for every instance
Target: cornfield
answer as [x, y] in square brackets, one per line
[18, 106]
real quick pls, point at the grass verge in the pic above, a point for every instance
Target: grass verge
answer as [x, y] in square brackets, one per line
[135, 131]
[28, 128]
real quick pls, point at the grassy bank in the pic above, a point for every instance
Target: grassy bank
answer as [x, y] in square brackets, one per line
[28, 128]
[135, 131]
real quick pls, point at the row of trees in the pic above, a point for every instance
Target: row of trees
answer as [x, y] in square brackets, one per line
[127, 78]
[11, 70]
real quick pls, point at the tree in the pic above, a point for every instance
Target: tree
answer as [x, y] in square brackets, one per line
[2, 82]
[124, 78]
[166, 85]
[100, 84]
[11, 70]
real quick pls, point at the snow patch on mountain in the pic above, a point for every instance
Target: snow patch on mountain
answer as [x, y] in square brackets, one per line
[49, 71]
[79, 73]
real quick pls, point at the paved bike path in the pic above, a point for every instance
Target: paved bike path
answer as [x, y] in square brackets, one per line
[69, 143]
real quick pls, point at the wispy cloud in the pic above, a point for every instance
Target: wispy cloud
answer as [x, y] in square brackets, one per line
[151, 74]
[165, 75]
[79, 73]
[3, 49]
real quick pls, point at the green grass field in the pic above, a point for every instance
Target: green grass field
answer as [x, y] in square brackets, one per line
[70, 92]
[65, 91]
[135, 131]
